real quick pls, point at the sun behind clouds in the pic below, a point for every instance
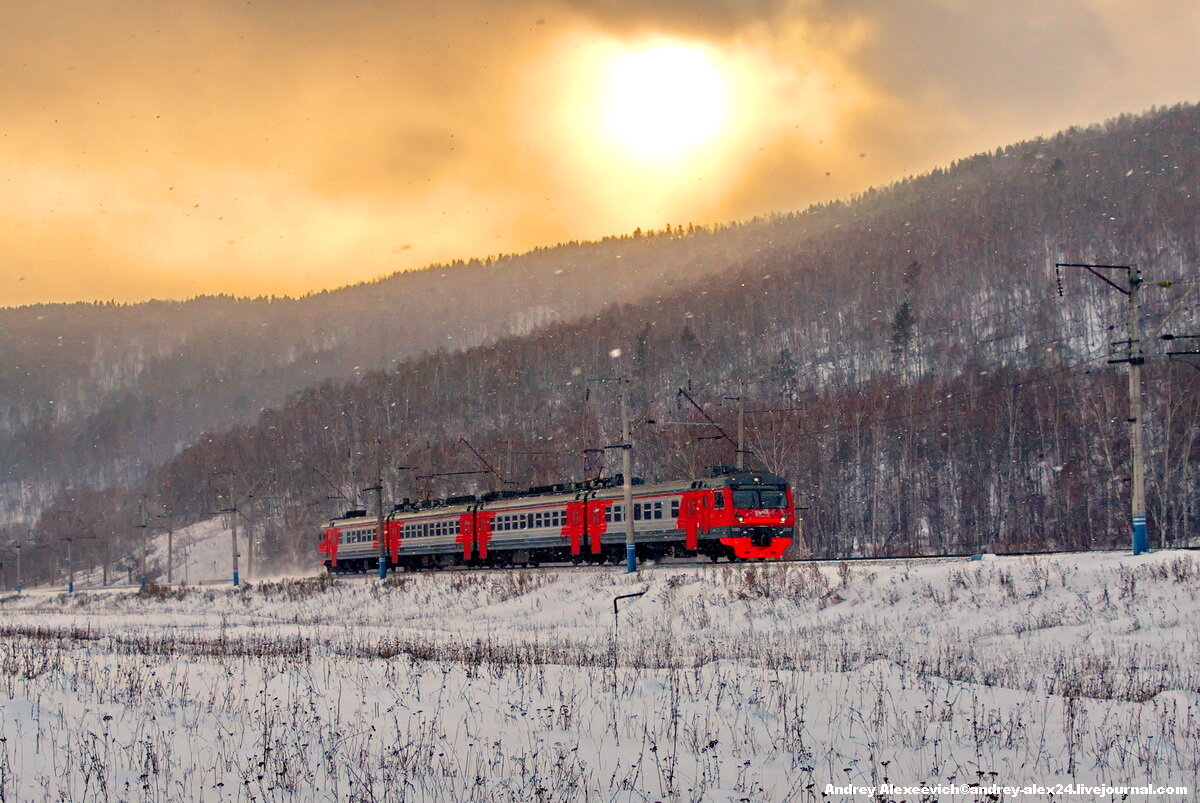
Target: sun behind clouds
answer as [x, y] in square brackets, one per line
[664, 100]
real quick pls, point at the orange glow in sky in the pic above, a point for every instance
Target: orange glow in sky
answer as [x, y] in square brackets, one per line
[281, 147]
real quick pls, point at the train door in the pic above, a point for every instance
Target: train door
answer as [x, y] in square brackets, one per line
[597, 524]
[575, 527]
[467, 536]
[693, 517]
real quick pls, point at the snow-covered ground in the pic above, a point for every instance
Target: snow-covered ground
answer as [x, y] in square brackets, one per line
[759, 682]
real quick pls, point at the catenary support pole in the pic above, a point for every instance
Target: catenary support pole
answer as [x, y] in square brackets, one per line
[1134, 357]
[237, 581]
[741, 424]
[379, 531]
[145, 538]
[1141, 541]
[627, 485]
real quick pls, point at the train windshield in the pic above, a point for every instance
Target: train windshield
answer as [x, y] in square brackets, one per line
[760, 498]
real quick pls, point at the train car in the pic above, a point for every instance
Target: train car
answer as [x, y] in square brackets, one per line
[734, 516]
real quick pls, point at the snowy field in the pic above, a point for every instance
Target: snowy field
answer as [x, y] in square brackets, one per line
[733, 682]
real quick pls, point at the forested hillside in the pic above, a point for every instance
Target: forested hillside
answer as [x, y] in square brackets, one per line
[95, 394]
[911, 359]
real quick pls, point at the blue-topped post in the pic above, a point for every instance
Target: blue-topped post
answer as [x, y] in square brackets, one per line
[380, 530]
[1133, 355]
[145, 538]
[1141, 541]
[233, 511]
[627, 486]
[380, 541]
[1137, 489]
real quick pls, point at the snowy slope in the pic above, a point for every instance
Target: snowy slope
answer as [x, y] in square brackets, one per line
[760, 682]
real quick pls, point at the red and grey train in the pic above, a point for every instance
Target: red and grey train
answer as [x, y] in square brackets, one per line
[738, 516]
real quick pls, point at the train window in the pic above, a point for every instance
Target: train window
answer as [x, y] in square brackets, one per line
[674, 508]
[618, 512]
[658, 510]
[718, 500]
[637, 511]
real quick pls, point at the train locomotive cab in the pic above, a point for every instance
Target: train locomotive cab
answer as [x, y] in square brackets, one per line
[755, 516]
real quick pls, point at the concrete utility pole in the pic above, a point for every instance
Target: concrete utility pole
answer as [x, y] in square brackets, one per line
[233, 514]
[1134, 357]
[170, 528]
[627, 486]
[145, 540]
[626, 447]
[383, 566]
[740, 443]
[741, 429]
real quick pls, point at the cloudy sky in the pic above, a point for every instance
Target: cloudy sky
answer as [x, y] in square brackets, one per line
[174, 148]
